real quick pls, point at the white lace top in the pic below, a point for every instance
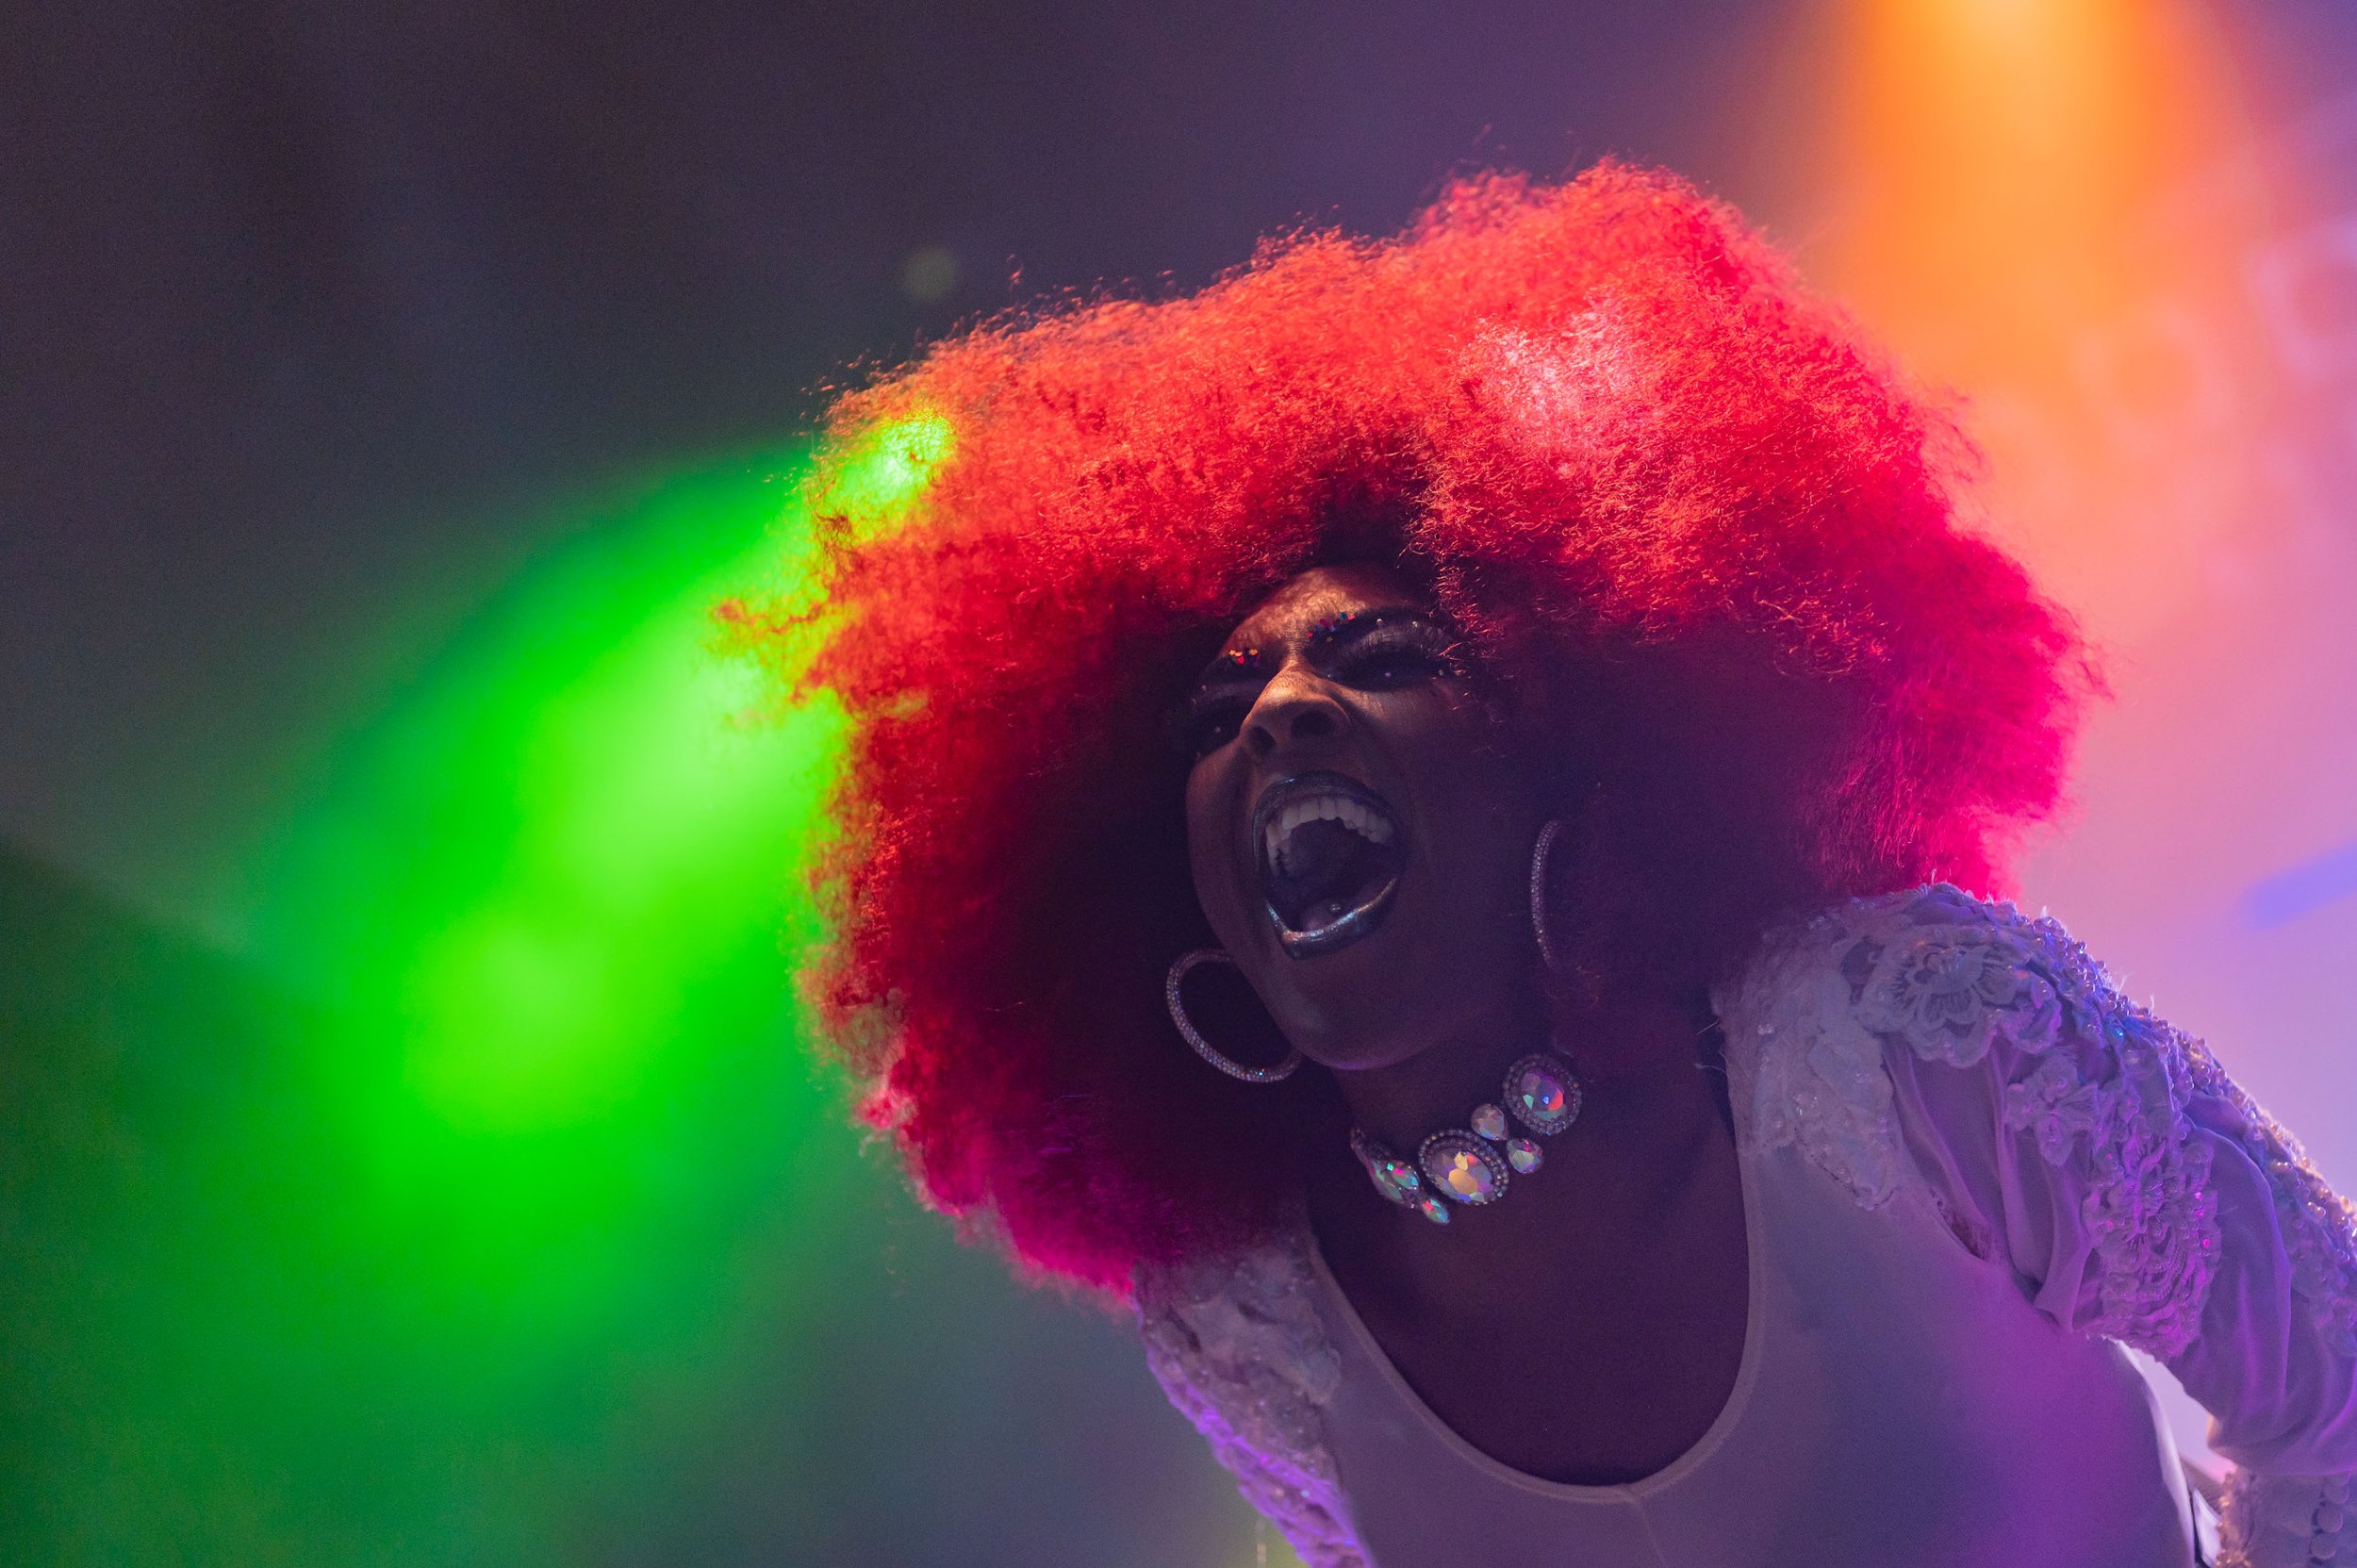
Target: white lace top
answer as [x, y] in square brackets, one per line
[1970, 1164]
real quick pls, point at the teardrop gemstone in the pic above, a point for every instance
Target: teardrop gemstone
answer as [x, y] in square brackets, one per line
[1523, 1155]
[1490, 1122]
[1394, 1177]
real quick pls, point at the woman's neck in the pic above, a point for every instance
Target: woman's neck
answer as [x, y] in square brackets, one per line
[1617, 1052]
[1589, 1328]
[1648, 1123]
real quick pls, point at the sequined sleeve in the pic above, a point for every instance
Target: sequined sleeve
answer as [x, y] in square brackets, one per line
[1238, 1347]
[1932, 1040]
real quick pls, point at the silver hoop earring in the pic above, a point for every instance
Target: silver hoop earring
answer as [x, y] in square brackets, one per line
[1547, 835]
[1204, 1049]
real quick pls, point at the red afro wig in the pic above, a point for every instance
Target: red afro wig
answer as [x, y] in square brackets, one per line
[1701, 546]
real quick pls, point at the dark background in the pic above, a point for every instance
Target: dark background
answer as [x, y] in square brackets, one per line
[306, 306]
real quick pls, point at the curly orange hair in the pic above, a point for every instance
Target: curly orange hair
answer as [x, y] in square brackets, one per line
[1701, 543]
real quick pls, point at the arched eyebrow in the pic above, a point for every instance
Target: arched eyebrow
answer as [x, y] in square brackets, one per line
[1330, 637]
[1232, 664]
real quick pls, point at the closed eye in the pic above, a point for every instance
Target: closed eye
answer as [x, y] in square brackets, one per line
[1392, 658]
[1212, 717]
[1383, 651]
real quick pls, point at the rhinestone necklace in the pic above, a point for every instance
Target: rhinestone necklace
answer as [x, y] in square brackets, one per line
[1466, 1166]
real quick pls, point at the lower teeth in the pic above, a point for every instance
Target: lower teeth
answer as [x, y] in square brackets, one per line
[1319, 917]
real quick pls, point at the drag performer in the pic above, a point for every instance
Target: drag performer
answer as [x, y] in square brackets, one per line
[1425, 815]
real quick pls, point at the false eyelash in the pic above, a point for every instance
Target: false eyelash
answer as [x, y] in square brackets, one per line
[1196, 715]
[1413, 638]
[1203, 704]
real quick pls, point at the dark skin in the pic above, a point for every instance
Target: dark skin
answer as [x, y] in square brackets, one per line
[1589, 1327]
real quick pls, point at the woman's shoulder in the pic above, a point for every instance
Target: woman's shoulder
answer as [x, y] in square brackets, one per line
[1246, 1312]
[1933, 964]
[1936, 969]
[1236, 1340]
[1830, 996]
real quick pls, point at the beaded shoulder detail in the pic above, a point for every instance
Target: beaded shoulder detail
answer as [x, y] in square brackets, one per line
[1237, 1343]
[2100, 1085]
[2284, 1521]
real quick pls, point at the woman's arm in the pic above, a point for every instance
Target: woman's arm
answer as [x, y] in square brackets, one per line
[2137, 1191]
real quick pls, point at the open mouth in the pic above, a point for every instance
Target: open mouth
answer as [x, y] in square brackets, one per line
[1329, 853]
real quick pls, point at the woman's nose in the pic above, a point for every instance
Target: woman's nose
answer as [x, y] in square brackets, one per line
[1293, 710]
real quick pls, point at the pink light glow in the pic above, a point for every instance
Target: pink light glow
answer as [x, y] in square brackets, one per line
[2069, 212]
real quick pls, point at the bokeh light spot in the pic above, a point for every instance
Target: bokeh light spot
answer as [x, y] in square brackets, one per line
[930, 274]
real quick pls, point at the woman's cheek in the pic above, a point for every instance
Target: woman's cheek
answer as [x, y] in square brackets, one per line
[1212, 791]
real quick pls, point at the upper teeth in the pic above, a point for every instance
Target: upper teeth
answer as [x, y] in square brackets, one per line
[1368, 823]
